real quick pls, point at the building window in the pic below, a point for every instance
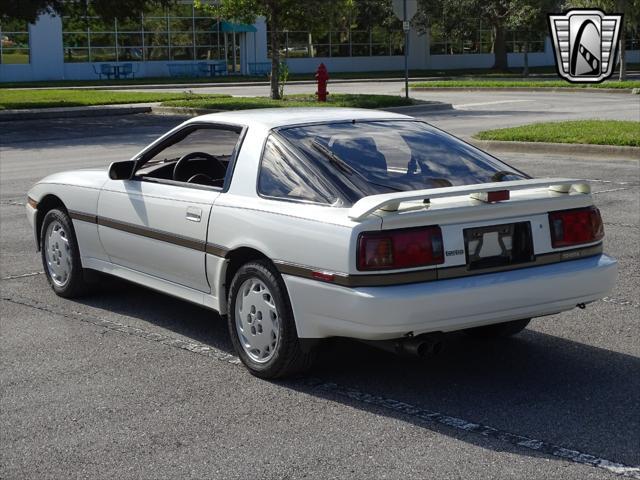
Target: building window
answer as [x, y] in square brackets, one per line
[14, 42]
[374, 42]
[180, 33]
[632, 40]
[480, 40]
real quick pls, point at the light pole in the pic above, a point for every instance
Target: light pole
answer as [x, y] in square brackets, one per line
[405, 27]
[405, 9]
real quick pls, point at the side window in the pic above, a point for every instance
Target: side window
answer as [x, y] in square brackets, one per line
[283, 176]
[205, 152]
[213, 141]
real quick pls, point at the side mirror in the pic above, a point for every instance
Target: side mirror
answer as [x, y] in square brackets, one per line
[122, 170]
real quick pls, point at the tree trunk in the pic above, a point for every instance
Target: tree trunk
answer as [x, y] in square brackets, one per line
[499, 48]
[525, 71]
[623, 57]
[275, 50]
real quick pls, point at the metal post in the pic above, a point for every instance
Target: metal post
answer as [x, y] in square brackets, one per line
[406, 53]
[233, 45]
[115, 24]
[193, 31]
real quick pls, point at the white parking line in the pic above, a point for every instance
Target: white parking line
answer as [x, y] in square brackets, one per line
[495, 102]
[413, 411]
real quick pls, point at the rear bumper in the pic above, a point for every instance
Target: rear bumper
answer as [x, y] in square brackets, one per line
[378, 313]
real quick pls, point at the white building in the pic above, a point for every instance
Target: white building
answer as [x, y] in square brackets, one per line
[184, 41]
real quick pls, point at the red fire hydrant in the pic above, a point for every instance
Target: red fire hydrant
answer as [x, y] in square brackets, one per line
[322, 76]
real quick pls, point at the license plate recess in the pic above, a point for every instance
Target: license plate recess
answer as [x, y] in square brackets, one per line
[498, 245]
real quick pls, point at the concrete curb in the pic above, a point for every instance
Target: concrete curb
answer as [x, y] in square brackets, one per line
[70, 112]
[612, 151]
[192, 112]
[524, 89]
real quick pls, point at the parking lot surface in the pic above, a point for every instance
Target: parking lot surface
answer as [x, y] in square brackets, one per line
[135, 384]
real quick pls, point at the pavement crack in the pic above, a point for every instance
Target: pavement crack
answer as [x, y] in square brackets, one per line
[611, 190]
[12, 203]
[516, 440]
[22, 275]
[621, 301]
[627, 225]
[415, 412]
[127, 330]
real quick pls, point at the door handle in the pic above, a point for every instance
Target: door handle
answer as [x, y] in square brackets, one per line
[194, 214]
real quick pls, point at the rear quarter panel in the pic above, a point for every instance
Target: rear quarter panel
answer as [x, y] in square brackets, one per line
[308, 235]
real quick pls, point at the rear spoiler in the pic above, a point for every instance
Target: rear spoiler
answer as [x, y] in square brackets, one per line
[390, 202]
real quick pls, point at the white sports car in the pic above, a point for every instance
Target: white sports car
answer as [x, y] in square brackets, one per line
[302, 224]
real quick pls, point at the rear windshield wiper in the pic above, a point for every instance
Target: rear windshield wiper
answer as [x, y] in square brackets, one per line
[499, 175]
[332, 157]
[344, 166]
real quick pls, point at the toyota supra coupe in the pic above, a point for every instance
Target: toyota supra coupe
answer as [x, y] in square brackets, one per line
[303, 224]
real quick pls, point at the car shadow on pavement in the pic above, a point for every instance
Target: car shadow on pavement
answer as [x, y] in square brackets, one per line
[86, 131]
[537, 385]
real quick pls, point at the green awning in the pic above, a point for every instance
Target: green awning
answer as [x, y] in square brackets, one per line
[228, 27]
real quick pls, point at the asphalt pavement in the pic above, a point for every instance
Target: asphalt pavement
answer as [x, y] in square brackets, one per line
[476, 110]
[130, 383]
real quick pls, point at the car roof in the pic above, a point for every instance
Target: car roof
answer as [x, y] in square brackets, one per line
[281, 117]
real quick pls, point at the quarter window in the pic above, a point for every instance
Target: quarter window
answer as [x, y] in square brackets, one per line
[283, 176]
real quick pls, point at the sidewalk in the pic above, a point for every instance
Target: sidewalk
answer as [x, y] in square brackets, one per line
[135, 86]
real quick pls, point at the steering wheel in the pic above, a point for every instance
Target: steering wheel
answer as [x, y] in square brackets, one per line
[181, 173]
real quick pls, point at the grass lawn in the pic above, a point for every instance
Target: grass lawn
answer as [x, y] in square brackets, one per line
[302, 100]
[595, 132]
[483, 83]
[20, 99]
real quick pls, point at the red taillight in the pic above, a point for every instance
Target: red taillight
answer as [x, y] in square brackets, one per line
[392, 249]
[574, 227]
[498, 196]
[491, 197]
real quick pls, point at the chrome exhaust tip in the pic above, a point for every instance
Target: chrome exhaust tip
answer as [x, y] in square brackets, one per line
[422, 346]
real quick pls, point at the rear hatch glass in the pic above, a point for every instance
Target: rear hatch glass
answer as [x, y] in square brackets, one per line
[372, 157]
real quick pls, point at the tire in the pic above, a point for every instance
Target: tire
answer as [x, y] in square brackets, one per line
[261, 323]
[61, 256]
[499, 330]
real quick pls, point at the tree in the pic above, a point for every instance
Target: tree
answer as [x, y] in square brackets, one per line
[449, 18]
[280, 15]
[529, 19]
[454, 17]
[631, 11]
[29, 10]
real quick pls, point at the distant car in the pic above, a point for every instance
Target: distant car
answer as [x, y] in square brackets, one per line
[303, 224]
[6, 42]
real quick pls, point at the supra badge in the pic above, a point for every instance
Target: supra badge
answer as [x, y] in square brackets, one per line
[585, 44]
